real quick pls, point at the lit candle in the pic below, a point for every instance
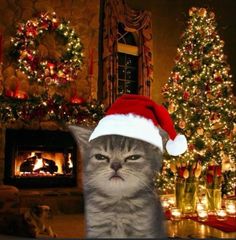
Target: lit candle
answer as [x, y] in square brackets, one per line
[165, 204]
[171, 201]
[204, 200]
[202, 215]
[200, 206]
[221, 214]
[175, 214]
[230, 208]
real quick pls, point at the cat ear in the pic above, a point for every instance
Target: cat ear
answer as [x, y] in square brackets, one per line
[81, 136]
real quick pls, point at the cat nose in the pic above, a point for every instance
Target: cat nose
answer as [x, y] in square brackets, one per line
[116, 166]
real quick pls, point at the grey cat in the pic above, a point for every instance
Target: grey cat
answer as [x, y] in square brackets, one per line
[120, 201]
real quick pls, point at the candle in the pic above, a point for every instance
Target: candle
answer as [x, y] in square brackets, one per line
[204, 200]
[175, 214]
[221, 214]
[202, 215]
[165, 204]
[230, 208]
[200, 206]
[171, 201]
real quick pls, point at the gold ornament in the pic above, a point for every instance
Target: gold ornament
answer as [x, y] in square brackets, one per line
[217, 125]
[202, 12]
[210, 96]
[182, 124]
[171, 108]
[191, 11]
[188, 133]
[200, 131]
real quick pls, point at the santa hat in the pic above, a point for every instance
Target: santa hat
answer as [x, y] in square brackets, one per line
[139, 117]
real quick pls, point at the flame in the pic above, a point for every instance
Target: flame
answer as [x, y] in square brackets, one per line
[59, 158]
[70, 161]
[38, 164]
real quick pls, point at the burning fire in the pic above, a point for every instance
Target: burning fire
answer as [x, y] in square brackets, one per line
[43, 164]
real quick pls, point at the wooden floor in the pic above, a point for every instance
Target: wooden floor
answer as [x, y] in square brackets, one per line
[72, 226]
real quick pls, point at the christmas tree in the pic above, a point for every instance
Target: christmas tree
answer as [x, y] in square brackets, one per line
[200, 99]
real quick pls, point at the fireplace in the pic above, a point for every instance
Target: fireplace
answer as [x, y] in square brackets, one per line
[40, 158]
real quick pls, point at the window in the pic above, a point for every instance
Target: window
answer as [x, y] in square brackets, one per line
[126, 59]
[127, 63]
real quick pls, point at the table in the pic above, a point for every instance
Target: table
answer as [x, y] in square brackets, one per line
[187, 228]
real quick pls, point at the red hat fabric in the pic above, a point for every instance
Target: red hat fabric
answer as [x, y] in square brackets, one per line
[139, 117]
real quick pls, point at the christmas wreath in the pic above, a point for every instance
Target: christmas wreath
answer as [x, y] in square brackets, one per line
[25, 45]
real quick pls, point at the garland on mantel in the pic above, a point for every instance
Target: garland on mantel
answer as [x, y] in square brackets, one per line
[46, 108]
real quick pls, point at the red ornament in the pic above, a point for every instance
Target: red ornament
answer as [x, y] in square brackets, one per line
[191, 147]
[218, 79]
[176, 76]
[186, 95]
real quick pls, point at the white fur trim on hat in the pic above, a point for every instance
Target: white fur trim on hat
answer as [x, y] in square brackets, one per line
[129, 125]
[177, 146]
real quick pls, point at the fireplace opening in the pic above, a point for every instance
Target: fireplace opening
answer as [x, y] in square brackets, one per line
[40, 158]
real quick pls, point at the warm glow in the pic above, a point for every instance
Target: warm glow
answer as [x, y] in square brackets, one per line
[39, 164]
[47, 163]
[199, 97]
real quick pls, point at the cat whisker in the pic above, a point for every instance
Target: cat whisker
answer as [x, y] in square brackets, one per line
[142, 182]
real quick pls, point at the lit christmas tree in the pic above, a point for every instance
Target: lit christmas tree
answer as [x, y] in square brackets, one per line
[200, 99]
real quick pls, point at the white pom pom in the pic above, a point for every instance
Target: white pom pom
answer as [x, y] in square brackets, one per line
[177, 146]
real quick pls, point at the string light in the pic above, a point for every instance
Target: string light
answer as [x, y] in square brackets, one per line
[24, 43]
[199, 97]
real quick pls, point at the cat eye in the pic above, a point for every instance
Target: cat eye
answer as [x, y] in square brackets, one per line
[133, 157]
[101, 157]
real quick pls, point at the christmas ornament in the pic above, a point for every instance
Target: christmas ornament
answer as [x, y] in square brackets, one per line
[182, 124]
[186, 95]
[202, 12]
[200, 131]
[192, 11]
[218, 77]
[171, 108]
[176, 76]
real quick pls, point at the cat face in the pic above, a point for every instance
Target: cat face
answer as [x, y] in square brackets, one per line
[117, 165]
